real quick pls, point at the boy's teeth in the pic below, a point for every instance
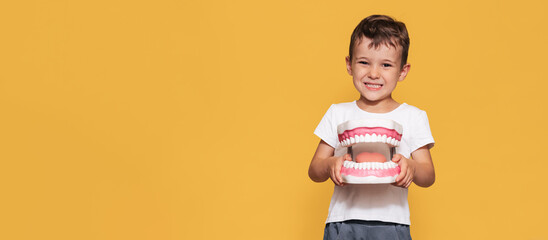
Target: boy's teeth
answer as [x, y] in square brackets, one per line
[373, 85]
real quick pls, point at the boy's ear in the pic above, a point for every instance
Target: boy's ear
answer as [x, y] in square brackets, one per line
[348, 65]
[404, 71]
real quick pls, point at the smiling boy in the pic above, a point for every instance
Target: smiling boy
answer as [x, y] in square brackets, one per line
[377, 61]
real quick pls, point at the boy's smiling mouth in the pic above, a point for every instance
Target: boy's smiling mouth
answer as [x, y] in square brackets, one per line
[373, 86]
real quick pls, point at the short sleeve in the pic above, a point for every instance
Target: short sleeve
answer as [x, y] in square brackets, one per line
[326, 129]
[421, 134]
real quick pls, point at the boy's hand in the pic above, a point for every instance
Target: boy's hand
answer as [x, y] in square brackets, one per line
[407, 173]
[334, 168]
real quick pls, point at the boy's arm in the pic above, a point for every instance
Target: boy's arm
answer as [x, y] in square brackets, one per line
[424, 173]
[419, 169]
[324, 165]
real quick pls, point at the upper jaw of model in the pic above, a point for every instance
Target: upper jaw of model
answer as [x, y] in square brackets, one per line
[369, 130]
[371, 143]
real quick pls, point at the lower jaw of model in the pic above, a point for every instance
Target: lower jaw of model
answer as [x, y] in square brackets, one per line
[372, 148]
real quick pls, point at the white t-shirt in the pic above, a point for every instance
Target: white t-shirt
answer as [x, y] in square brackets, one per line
[379, 202]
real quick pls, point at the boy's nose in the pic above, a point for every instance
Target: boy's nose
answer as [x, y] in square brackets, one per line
[373, 73]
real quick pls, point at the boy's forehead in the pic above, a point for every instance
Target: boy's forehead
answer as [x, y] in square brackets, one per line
[365, 45]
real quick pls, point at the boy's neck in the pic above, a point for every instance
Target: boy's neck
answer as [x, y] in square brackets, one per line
[382, 106]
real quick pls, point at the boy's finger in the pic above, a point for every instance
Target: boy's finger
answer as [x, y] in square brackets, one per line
[408, 183]
[401, 182]
[335, 177]
[396, 184]
[347, 157]
[404, 183]
[338, 176]
[403, 172]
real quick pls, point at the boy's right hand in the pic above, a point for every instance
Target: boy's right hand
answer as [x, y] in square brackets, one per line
[334, 168]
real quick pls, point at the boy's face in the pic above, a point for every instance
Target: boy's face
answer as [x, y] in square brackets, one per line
[376, 71]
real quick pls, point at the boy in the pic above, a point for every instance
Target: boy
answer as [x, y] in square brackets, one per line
[377, 60]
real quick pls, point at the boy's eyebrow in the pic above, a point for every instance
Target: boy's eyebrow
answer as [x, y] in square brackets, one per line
[382, 60]
[362, 58]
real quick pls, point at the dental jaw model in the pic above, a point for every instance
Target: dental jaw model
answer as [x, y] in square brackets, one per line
[371, 143]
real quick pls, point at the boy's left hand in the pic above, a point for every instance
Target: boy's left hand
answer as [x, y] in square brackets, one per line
[407, 166]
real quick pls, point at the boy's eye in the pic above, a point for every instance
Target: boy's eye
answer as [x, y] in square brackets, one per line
[363, 62]
[387, 65]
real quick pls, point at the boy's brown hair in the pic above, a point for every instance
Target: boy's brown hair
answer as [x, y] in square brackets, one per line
[381, 29]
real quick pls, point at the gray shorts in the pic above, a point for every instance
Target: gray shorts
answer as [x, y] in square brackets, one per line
[366, 230]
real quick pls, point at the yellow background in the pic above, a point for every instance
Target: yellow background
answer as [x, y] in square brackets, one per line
[195, 119]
